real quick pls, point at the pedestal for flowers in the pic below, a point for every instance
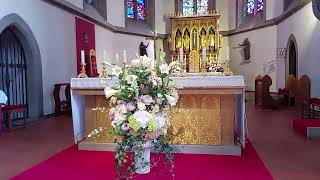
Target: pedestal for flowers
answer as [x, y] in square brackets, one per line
[139, 107]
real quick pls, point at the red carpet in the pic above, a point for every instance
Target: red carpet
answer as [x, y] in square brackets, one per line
[301, 125]
[84, 165]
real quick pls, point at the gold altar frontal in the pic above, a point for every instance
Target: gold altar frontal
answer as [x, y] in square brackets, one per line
[202, 116]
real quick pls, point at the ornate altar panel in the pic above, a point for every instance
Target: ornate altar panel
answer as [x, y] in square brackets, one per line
[198, 37]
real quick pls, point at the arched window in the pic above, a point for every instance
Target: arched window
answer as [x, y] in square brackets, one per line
[202, 7]
[253, 6]
[192, 7]
[136, 9]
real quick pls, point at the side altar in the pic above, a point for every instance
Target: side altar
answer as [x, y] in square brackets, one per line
[208, 119]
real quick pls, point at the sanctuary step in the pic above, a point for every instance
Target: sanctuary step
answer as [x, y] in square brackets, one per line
[310, 128]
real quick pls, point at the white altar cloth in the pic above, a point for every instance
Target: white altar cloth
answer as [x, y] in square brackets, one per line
[78, 102]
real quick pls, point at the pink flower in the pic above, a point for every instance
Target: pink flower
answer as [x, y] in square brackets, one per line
[125, 127]
[131, 106]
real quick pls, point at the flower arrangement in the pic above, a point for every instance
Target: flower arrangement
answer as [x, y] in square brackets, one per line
[139, 112]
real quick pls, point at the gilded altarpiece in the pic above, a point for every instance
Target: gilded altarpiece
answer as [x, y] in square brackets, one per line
[193, 34]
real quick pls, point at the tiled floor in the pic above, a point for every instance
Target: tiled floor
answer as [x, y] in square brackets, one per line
[287, 155]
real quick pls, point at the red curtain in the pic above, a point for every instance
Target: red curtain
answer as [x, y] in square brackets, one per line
[85, 40]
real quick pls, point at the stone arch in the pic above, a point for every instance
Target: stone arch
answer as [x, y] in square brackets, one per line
[33, 59]
[292, 46]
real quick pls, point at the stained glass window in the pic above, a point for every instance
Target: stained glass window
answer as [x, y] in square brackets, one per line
[250, 7]
[260, 5]
[202, 7]
[130, 9]
[141, 10]
[188, 7]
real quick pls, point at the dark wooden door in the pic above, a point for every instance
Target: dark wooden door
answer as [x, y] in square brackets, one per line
[13, 76]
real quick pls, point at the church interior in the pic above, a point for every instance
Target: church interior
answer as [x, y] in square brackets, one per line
[237, 89]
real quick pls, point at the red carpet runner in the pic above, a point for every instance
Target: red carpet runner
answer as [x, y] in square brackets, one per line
[84, 165]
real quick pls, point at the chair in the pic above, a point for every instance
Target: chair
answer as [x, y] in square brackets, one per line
[302, 94]
[62, 105]
[289, 91]
[258, 90]
[93, 70]
[267, 100]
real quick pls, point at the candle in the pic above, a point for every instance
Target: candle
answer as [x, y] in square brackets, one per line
[117, 59]
[83, 58]
[204, 55]
[125, 56]
[181, 55]
[104, 55]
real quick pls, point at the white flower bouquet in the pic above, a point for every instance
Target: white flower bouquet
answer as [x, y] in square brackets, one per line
[139, 111]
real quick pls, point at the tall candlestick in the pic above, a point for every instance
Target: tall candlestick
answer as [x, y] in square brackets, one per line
[124, 56]
[83, 58]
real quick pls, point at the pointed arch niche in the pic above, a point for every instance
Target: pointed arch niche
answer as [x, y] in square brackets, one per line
[25, 36]
[292, 57]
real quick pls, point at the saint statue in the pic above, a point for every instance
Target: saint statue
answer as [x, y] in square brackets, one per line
[203, 39]
[178, 41]
[186, 42]
[246, 49]
[143, 49]
[211, 39]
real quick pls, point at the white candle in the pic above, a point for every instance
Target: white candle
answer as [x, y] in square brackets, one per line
[83, 58]
[104, 55]
[181, 55]
[204, 55]
[125, 56]
[117, 59]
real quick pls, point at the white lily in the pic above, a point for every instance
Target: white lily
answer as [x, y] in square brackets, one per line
[116, 71]
[171, 100]
[131, 79]
[109, 92]
[164, 68]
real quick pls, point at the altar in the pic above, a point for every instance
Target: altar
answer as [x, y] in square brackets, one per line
[208, 119]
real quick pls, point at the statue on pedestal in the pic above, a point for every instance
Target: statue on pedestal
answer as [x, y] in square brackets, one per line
[178, 40]
[211, 40]
[143, 49]
[203, 39]
[186, 41]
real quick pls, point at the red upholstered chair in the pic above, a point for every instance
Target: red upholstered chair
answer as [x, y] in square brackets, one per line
[314, 102]
[93, 64]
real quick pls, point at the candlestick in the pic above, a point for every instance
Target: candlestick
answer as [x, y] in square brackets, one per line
[104, 73]
[83, 58]
[83, 71]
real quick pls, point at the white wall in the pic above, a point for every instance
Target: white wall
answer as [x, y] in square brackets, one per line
[54, 31]
[115, 43]
[305, 27]
[263, 50]
[162, 8]
[78, 3]
[116, 12]
[274, 8]
[228, 14]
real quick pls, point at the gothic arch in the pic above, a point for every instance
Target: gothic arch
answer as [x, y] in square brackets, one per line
[33, 60]
[292, 56]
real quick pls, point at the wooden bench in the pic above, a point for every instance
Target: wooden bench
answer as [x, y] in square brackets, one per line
[10, 109]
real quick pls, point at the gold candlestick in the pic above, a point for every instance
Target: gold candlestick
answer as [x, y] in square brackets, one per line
[104, 73]
[83, 72]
